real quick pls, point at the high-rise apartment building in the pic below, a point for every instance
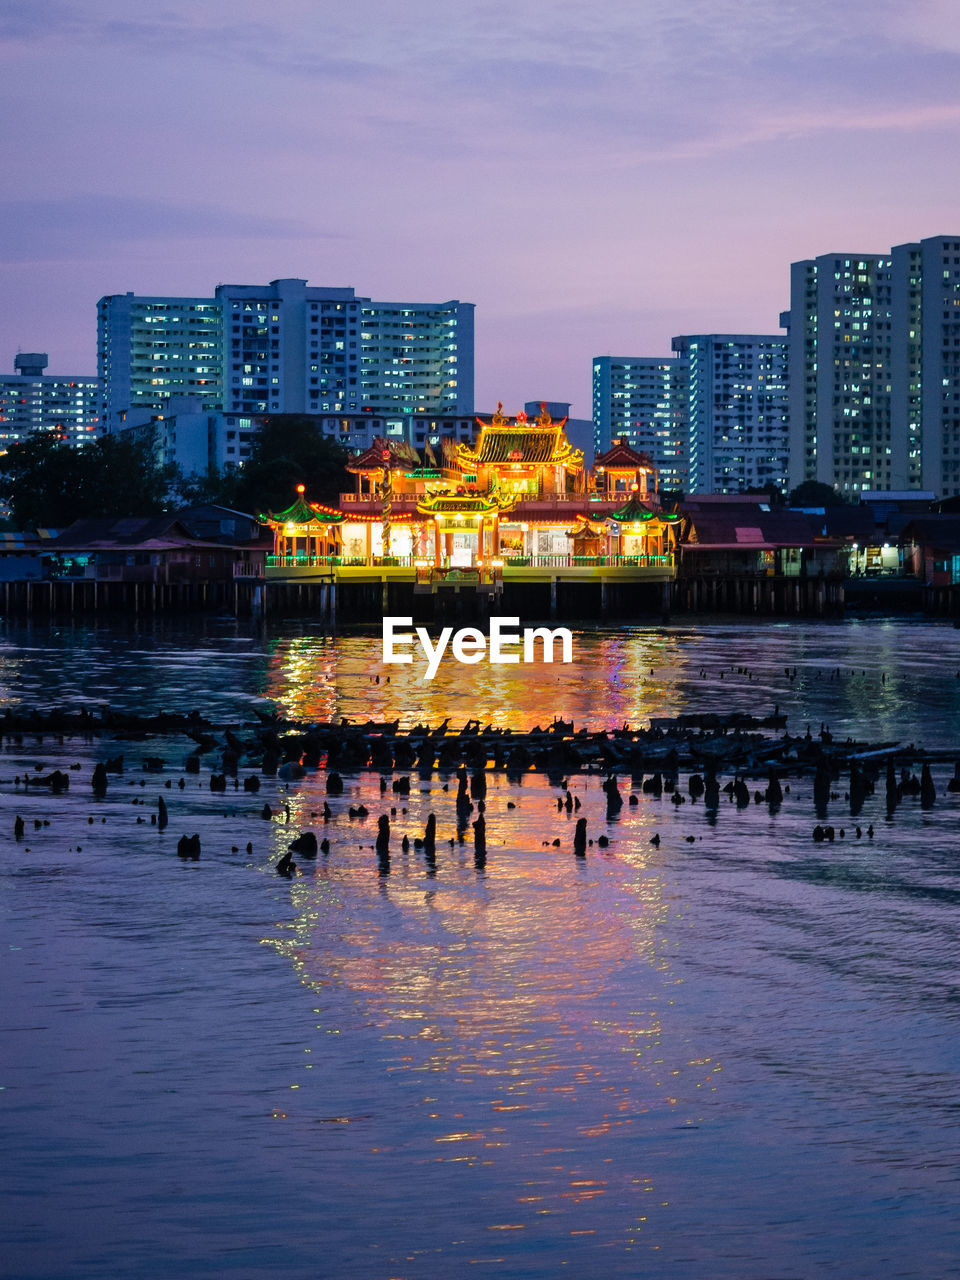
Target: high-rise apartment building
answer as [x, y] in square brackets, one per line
[286, 347]
[152, 348]
[926, 359]
[875, 369]
[32, 400]
[841, 325]
[736, 413]
[417, 357]
[643, 399]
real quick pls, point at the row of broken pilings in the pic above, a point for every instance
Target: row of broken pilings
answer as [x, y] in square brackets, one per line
[704, 744]
[862, 784]
[472, 787]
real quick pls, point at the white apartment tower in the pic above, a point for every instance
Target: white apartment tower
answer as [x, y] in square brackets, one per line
[643, 399]
[286, 347]
[152, 348]
[736, 418]
[875, 369]
[841, 325]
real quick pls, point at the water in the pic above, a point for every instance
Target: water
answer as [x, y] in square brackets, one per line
[730, 1056]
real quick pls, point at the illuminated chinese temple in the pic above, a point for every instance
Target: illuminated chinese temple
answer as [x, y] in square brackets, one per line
[305, 531]
[516, 500]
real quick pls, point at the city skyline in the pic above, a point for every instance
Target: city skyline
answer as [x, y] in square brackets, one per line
[595, 182]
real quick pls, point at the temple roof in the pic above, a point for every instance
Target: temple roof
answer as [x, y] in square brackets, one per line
[385, 453]
[516, 444]
[583, 526]
[622, 457]
[502, 442]
[302, 512]
[635, 509]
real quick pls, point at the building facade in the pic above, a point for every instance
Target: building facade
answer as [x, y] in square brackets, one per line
[285, 347]
[875, 369]
[32, 400]
[643, 400]
[736, 411]
[187, 435]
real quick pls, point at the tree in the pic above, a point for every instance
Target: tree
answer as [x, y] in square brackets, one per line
[814, 493]
[215, 486]
[47, 483]
[288, 450]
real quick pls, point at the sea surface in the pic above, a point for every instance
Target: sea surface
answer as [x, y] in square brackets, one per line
[733, 1053]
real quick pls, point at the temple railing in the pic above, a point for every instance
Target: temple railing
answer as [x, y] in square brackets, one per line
[335, 562]
[558, 561]
[587, 562]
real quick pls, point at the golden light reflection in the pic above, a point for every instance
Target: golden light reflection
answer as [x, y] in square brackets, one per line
[639, 674]
[536, 991]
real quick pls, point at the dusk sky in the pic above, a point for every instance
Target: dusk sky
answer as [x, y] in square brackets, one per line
[594, 177]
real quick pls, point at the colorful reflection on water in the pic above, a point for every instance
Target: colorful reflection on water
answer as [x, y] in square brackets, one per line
[731, 1053]
[520, 1006]
[615, 676]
